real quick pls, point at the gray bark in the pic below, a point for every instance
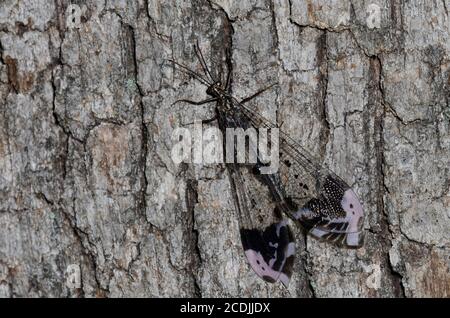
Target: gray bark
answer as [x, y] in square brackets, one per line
[86, 178]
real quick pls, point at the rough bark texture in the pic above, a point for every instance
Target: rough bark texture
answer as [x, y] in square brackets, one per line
[86, 176]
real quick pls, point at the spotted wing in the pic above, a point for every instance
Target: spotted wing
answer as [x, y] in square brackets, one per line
[323, 203]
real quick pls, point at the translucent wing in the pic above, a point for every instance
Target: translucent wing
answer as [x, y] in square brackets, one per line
[267, 241]
[322, 202]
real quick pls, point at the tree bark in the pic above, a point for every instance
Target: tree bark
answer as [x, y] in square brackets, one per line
[88, 186]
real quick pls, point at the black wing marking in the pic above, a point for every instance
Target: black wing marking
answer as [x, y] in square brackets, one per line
[327, 206]
[329, 209]
[268, 242]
